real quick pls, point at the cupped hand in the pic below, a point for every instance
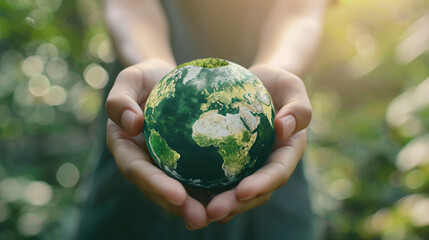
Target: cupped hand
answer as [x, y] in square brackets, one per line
[293, 116]
[127, 144]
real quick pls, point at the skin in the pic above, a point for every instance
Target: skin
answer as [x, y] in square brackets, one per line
[287, 38]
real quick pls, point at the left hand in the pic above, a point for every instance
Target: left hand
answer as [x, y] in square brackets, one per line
[293, 116]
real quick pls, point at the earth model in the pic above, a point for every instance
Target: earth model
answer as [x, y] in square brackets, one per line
[209, 123]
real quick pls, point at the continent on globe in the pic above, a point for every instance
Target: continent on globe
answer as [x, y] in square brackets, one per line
[209, 123]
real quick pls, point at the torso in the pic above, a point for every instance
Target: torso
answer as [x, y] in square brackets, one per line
[201, 22]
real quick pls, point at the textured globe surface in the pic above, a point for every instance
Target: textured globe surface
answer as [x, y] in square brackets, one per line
[209, 123]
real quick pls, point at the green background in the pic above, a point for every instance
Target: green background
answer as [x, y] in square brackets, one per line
[368, 155]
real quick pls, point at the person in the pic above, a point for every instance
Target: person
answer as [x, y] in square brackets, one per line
[129, 197]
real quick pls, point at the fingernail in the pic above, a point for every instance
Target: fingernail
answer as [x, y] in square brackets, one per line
[189, 226]
[289, 126]
[218, 218]
[174, 202]
[127, 120]
[245, 198]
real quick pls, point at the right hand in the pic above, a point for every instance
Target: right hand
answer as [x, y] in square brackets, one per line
[126, 142]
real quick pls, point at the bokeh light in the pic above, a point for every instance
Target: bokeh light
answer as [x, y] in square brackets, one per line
[33, 65]
[402, 112]
[100, 47]
[56, 69]
[55, 96]
[380, 221]
[39, 18]
[341, 189]
[420, 213]
[415, 153]
[39, 85]
[12, 189]
[30, 223]
[68, 175]
[22, 95]
[105, 51]
[88, 104]
[38, 193]
[96, 76]
[62, 44]
[415, 41]
[415, 178]
[45, 50]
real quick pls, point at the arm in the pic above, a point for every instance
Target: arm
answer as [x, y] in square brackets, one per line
[139, 30]
[291, 34]
[288, 42]
[140, 34]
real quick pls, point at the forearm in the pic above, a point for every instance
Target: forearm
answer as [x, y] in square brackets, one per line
[291, 35]
[139, 30]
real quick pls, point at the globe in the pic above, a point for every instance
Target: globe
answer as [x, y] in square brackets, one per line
[209, 123]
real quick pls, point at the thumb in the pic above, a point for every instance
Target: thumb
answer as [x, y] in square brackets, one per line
[124, 100]
[130, 92]
[294, 116]
[290, 97]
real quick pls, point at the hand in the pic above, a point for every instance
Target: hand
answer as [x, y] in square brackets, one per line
[127, 144]
[293, 116]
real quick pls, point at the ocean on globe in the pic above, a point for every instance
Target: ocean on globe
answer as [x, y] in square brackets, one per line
[209, 123]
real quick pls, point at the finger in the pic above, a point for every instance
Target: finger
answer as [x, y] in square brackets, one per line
[281, 164]
[290, 99]
[156, 185]
[222, 205]
[122, 105]
[135, 165]
[194, 214]
[293, 117]
[285, 126]
[295, 113]
[130, 91]
[225, 206]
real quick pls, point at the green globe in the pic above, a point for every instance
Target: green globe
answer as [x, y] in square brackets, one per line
[209, 123]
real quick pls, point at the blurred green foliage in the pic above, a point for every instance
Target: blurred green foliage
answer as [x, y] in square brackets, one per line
[52, 54]
[368, 154]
